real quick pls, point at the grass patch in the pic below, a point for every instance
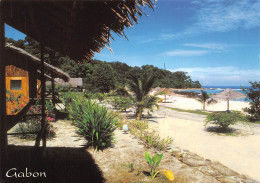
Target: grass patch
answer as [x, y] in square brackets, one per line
[256, 122]
[189, 111]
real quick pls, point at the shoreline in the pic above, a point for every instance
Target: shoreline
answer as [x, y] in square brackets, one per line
[184, 102]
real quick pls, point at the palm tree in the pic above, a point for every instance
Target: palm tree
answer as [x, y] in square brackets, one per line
[141, 88]
[205, 99]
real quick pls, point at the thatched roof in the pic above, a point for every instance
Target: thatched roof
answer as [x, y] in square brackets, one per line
[74, 82]
[158, 90]
[76, 28]
[18, 53]
[229, 94]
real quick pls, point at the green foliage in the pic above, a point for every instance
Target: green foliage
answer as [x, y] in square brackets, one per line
[33, 124]
[67, 99]
[99, 76]
[253, 96]
[120, 91]
[224, 120]
[151, 139]
[94, 122]
[100, 96]
[153, 162]
[189, 111]
[205, 99]
[141, 88]
[122, 103]
[103, 78]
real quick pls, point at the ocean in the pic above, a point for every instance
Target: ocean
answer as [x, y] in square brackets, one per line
[217, 89]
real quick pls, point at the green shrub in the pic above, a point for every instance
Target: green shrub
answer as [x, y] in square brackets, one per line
[224, 120]
[33, 124]
[67, 98]
[253, 96]
[122, 103]
[94, 122]
[100, 96]
[151, 139]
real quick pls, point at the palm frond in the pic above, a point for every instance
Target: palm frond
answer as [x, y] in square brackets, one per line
[147, 84]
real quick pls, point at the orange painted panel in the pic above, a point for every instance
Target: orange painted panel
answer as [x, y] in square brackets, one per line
[38, 88]
[14, 108]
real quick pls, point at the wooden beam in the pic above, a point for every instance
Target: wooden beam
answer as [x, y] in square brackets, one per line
[3, 129]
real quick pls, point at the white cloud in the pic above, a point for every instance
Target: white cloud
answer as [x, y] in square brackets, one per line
[222, 75]
[211, 46]
[223, 16]
[219, 16]
[186, 53]
[146, 41]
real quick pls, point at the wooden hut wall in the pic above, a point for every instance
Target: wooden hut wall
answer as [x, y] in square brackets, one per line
[19, 68]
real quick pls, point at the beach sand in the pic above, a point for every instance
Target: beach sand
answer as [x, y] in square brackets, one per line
[178, 101]
[239, 152]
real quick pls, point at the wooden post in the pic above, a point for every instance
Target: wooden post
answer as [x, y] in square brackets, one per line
[52, 81]
[42, 134]
[43, 90]
[3, 129]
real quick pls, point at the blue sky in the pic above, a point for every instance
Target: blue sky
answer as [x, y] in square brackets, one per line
[216, 41]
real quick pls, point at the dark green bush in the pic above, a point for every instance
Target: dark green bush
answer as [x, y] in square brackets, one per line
[67, 97]
[94, 122]
[122, 103]
[224, 120]
[253, 96]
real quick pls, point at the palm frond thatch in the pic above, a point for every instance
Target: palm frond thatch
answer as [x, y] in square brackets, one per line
[75, 28]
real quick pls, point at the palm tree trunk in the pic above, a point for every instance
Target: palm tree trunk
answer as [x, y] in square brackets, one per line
[139, 112]
[204, 106]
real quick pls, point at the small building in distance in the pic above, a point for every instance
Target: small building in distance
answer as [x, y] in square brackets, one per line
[72, 82]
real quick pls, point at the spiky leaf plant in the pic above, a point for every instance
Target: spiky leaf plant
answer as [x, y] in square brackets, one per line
[94, 122]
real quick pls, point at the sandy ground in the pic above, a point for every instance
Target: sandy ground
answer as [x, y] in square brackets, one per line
[193, 104]
[240, 152]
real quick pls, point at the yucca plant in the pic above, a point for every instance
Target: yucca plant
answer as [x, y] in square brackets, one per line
[94, 122]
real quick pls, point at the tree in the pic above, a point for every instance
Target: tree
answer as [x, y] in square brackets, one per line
[253, 96]
[103, 78]
[205, 99]
[141, 88]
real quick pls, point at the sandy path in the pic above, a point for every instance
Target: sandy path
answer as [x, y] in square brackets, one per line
[240, 153]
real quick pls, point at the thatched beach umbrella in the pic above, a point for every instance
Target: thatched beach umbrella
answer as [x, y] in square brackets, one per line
[229, 94]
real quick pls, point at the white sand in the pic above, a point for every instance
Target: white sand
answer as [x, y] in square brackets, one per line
[193, 104]
[240, 153]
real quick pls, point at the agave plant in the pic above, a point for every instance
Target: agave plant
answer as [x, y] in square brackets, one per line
[94, 122]
[141, 88]
[205, 99]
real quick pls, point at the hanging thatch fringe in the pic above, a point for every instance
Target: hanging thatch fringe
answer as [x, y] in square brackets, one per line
[74, 28]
